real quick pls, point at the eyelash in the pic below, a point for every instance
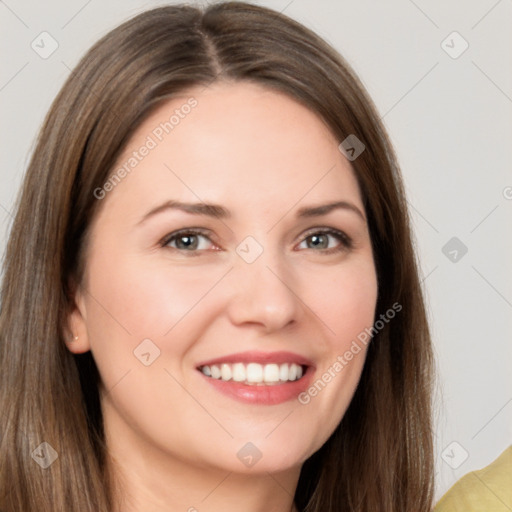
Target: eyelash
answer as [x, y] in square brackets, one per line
[345, 240]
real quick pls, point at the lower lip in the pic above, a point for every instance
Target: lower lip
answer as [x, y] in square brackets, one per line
[263, 395]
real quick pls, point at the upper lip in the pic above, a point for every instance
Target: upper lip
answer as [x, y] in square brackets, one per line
[259, 357]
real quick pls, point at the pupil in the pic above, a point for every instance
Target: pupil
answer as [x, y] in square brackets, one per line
[187, 242]
[319, 241]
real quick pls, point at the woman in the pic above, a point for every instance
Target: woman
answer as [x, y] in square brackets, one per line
[210, 293]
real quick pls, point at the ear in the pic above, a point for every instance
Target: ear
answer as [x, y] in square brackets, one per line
[76, 335]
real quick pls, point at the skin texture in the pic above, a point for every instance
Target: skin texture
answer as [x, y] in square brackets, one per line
[173, 438]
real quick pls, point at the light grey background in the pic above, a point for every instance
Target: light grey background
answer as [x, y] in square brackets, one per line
[450, 120]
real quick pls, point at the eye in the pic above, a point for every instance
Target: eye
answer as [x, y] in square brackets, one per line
[189, 240]
[326, 240]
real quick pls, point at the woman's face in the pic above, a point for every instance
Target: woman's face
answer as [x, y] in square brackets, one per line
[234, 244]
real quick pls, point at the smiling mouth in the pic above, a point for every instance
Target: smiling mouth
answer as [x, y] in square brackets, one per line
[255, 374]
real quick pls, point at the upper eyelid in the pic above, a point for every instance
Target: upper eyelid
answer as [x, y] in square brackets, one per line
[196, 231]
[325, 230]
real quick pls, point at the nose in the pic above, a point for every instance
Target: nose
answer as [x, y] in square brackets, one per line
[264, 294]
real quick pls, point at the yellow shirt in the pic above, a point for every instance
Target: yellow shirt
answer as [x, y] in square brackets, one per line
[486, 490]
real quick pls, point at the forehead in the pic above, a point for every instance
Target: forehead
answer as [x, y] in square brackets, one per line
[233, 142]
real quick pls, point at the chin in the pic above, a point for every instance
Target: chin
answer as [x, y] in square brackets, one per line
[265, 456]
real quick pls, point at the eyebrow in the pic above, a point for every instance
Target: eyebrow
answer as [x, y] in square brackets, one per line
[316, 211]
[217, 211]
[210, 210]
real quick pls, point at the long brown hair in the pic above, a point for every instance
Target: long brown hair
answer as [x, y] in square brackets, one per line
[380, 456]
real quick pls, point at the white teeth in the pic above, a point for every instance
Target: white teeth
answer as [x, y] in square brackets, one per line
[225, 372]
[271, 373]
[239, 372]
[292, 372]
[283, 372]
[254, 373]
[216, 373]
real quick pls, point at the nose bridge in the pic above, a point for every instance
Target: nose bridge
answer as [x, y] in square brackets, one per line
[264, 287]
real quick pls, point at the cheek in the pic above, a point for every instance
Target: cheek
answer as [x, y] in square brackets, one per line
[130, 300]
[148, 296]
[345, 300]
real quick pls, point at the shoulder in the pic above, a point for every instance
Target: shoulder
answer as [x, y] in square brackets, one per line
[488, 489]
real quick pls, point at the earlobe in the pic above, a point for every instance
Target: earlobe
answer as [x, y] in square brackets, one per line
[76, 336]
